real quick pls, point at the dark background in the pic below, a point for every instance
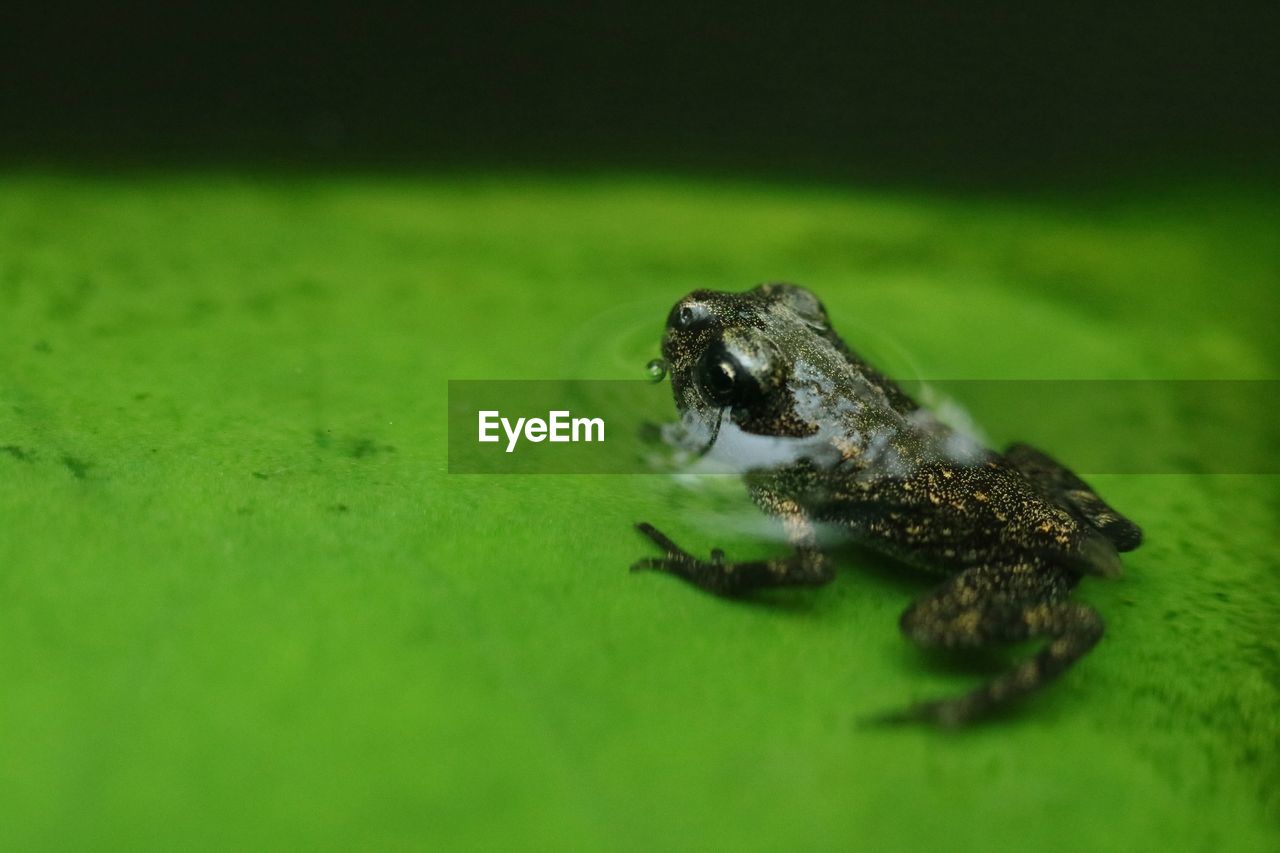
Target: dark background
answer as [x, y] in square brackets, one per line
[894, 89]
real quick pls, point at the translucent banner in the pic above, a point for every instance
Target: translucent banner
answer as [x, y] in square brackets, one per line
[1092, 426]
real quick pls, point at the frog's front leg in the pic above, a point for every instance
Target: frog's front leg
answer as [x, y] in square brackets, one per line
[807, 565]
[991, 605]
[1065, 487]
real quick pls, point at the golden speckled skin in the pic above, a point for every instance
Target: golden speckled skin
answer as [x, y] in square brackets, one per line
[1014, 532]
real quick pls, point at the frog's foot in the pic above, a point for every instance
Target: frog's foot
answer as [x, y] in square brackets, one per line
[1063, 486]
[805, 567]
[988, 606]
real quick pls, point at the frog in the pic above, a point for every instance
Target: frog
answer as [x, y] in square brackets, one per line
[1007, 535]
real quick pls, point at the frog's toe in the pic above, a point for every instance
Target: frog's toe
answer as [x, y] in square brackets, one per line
[659, 538]
[942, 713]
[654, 564]
[898, 717]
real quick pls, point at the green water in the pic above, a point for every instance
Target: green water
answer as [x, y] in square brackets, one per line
[243, 605]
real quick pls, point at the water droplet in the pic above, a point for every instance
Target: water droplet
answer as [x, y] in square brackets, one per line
[657, 369]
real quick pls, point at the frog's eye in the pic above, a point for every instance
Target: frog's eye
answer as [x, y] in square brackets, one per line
[688, 315]
[798, 299]
[719, 379]
[725, 379]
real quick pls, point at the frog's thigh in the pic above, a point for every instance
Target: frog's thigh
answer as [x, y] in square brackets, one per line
[1065, 487]
[983, 605]
[990, 605]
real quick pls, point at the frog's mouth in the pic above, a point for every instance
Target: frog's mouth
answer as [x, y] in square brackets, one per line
[715, 424]
[684, 356]
[699, 427]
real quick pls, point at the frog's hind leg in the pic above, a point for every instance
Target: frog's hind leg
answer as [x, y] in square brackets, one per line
[990, 605]
[1062, 485]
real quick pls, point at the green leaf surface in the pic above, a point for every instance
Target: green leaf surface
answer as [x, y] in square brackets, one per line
[243, 605]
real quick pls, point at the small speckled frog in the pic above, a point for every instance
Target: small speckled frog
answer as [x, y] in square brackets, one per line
[844, 446]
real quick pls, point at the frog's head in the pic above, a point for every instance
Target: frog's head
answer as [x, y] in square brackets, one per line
[738, 352]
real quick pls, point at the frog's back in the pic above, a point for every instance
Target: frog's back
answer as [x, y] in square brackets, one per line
[946, 517]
